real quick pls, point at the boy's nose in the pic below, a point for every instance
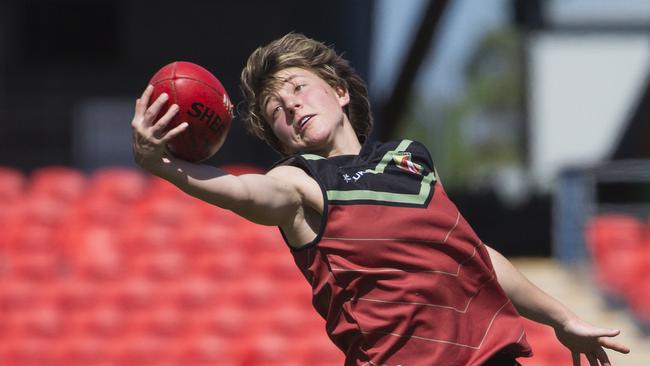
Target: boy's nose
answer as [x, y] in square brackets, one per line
[294, 105]
[291, 107]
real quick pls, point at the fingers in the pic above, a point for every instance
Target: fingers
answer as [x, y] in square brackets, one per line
[162, 123]
[146, 94]
[605, 332]
[576, 358]
[174, 132]
[608, 343]
[601, 355]
[144, 114]
[592, 359]
[142, 102]
[152, 112]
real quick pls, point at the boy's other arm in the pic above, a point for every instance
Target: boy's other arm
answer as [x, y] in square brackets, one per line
[530, 300]
[533, 303]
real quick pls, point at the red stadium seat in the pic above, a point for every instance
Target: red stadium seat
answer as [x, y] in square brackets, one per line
[166, 211]
[41, 210]
[77, 293]
[291, 321]
[144, 238]
[124, 185]
[646, 233]
[204, 350]
[165, 321]
[206, 238]
[8, 215]
[639, 301]
[279, 266]
[226, 320]
[631, 268]
[261, 240]
[135, 294]
[288, 360]
[47, 321]
[613, 232]
[97, 210]
[239, 169]
[35, 266]
[24, 351]
[195, 292]
[32, 225]
[258, 292]
[43, 321]
[298, 293]
[103, 321]
[94, 252]
[160, 188]
[62, 183]
[318, 350]
[23, 239]
[140, 349]
[614, 241]
[84, 350]
[12, 185]
[222, 266]
[269, 349]
[162, 265]
[17, 294]
[206, 214]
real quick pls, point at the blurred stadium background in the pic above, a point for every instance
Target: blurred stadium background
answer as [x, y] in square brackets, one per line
[537, 114]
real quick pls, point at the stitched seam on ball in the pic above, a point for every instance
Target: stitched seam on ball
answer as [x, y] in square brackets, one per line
[173, 84]
[187, 78]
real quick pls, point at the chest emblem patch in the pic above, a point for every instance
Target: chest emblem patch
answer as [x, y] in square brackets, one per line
[403, 161]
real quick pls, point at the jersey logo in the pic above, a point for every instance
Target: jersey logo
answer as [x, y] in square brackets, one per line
[347, 178]
[403, 161]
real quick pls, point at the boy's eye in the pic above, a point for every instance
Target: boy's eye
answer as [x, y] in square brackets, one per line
[276, 109]
[298, 87]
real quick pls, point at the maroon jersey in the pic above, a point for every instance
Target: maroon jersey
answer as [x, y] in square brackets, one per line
[398, 274]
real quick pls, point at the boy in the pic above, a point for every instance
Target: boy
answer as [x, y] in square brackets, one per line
[395, 270]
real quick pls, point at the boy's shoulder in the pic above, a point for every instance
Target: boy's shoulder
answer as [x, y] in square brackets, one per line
[372, 153]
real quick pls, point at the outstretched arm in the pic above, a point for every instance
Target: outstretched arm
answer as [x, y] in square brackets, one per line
[272, 199]
[533, 303]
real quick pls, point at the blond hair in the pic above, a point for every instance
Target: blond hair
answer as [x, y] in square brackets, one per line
[297, 50]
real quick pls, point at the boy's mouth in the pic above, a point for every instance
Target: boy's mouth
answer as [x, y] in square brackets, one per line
[303, 121]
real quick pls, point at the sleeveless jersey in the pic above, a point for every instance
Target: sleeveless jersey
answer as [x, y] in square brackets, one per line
[399, 276]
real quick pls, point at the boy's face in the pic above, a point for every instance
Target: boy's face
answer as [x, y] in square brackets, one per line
[305, 112]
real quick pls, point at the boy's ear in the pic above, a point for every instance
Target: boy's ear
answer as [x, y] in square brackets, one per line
[343, 95]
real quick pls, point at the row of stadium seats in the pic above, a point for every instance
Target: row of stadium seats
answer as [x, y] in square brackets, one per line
[111, 260]
[118, 268]
[619, 245]
[137, 350]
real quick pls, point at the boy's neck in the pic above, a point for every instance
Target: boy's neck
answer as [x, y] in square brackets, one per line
[346, 143]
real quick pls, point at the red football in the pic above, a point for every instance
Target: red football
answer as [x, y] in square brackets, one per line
[203, 103]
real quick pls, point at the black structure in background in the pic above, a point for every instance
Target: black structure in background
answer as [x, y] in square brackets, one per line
[57, 53]
[635, 142]
[392, 109]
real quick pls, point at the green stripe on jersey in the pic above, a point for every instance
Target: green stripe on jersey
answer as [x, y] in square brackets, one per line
[312, 157]
[382, 164]
[388, 157]
[366, 195]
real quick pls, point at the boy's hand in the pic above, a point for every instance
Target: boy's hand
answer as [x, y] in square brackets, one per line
[149, 138]
[582, 337]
